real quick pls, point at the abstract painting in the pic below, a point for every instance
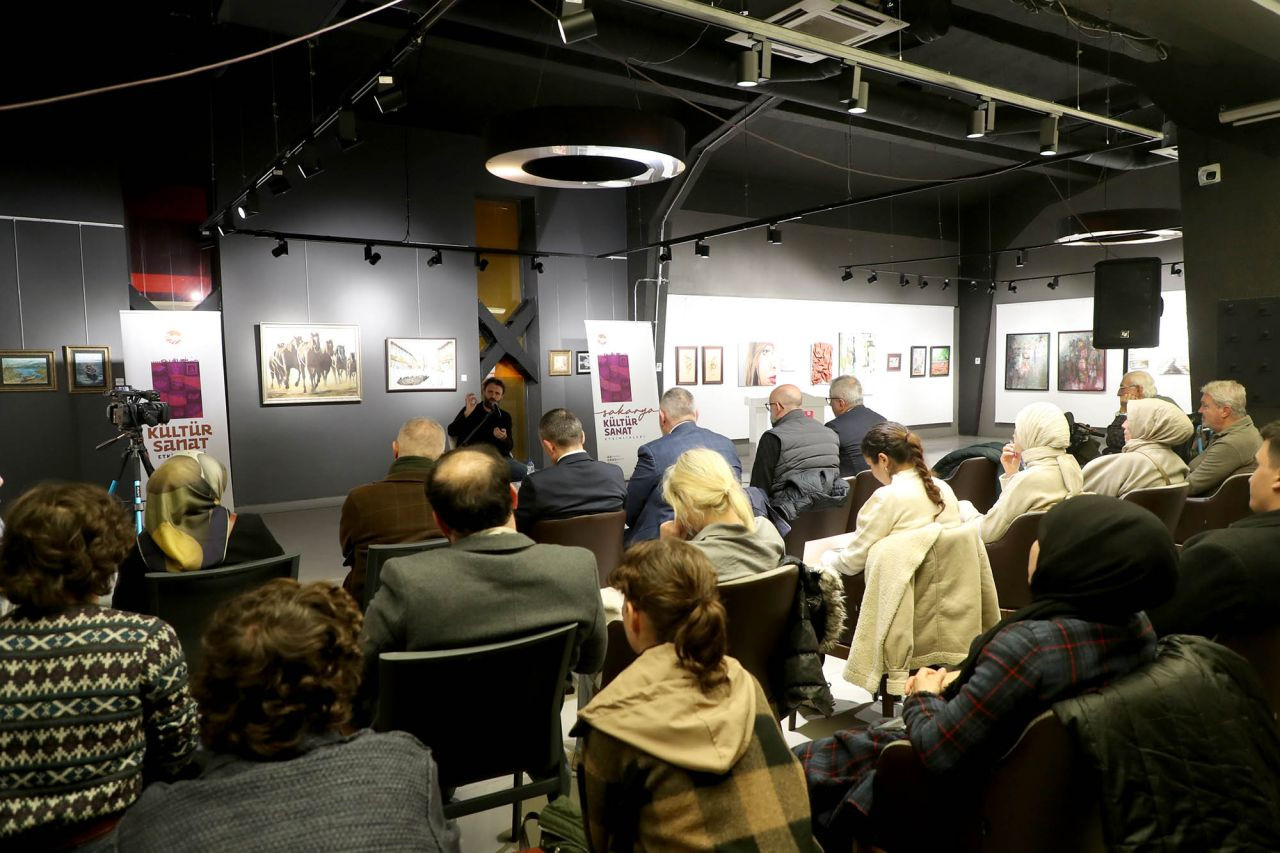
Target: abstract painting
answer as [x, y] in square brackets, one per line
[1026, 361]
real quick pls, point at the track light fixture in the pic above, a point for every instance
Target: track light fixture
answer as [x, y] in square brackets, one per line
[847, 275]
[1175, 270]
[701, 249]
[482, 263]
[576, 22]
[225, 225]
[278, 184]
[370, 255]
[536, 265]
[873, 278]
[748, 68]
[1011, 287]
[436, 259]
[664, 254]
[348, 138]
[1053, 283]
[249, 205]
[924, 282]
[774, 235]
[859, 92]
[978, 121]
[1020, 260]
[309, 164]
[973, 286]
[281, 249]
[390, 95]
[991, 288]
[1049, 136]
[903, 282]
[946, 284]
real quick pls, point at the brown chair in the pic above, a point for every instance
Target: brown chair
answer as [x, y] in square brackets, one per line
[818, 524]
[1227, 505]
[758, 607]
[1008, 556]
[618, 655]
[1165, 501]
[863, 486]
[975, 480]
[600, 533]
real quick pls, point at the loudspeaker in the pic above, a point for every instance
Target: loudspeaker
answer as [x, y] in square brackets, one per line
[1126, 303]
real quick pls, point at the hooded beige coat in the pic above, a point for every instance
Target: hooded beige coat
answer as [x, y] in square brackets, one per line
[1146, 461]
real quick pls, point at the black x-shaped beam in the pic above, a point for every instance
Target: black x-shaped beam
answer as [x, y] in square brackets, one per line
[506, 338]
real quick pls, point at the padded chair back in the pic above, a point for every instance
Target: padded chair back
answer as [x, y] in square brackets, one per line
[186, 600]
[1165, 501]
[378, 556]
[618, 655]
[758, 607]
[862, 487]
[818, 524]
[600, 533]
[1227, 505]
[1009, 555]
[974, 480]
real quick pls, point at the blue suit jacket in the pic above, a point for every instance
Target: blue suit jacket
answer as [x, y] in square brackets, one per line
[851, 427]
[576, 485]
[646, 509]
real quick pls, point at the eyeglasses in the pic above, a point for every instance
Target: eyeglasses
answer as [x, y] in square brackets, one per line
[831, 401]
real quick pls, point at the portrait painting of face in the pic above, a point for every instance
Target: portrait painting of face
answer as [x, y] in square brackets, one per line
[758, 364]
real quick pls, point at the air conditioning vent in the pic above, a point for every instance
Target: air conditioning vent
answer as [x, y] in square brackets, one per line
[845, 22]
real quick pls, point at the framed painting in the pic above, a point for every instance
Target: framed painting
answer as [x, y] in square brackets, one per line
[28, 370]
[713, 365]
[308, 363]
[939, 361]
[559, 362]
[583, 358]
[1080, 366]
[686, 365]
[1026, 361]
[422, 364]
[894, 362]
[919, 361]
[757, 364]
[820, 363]
[88, 369]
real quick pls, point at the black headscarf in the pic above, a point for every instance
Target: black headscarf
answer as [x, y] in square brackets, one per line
[1101, 560]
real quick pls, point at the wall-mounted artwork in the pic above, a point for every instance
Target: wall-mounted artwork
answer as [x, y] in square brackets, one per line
[713, 365]
[919, 361]
[27, 370]
[308, 363]
[757, 364]
[615, 377]
[1080, 366]
[858, 353]
[1160, 361]
[1026, 361]
[422, 364]
[558, 362]
[847, 350]
[820, 364]
[686, 365]
[939, 361]
[583, 362]
[88, 369]
[894, 362]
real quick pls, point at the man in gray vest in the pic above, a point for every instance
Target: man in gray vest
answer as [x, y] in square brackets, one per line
[798, 461]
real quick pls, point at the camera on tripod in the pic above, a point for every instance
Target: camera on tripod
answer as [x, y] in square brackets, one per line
[131, 409]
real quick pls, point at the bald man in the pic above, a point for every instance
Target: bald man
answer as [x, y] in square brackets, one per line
[798, 461]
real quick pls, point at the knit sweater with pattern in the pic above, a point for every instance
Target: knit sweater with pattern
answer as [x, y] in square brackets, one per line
[90, 700]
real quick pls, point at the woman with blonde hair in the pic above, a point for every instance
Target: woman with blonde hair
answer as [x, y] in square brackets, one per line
[713, 513]
[1152, 428]
[1039, 473]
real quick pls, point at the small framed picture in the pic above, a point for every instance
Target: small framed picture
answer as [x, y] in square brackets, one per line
[713, 365]
[686, 365]
[919, 361]
[559, 362]
[583, 362]
[939, 361]
[88, 369]
[27, 370]
[422, 364]
[895, 362]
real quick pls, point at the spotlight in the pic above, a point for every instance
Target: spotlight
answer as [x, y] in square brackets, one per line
[436, 259]
[1049, 136]
[278, 183]
[873, 278]
[991, 288]
[946, 283]
[859, 92]
[1175, 270]
[701, 249]
[977, 123]
[309, 164]
[390, 95]
[347, 136]
[847, 275]
[748, 68]
[1020, 260]
[281, 249]
[664, 254]
[1012, 288]
[924, 282]
[576, 22]
[370, 255]
[482, 264]
[225, 225]
[774, 236]
[973, 286]
[249, 205]
[536, 265]
[1053, 283]
[902, 282]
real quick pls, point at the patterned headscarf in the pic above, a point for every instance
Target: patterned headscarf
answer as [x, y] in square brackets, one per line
[185, 521]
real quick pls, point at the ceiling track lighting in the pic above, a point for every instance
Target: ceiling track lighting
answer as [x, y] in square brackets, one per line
[946, 284]
[991, 288]
[390, 95]
[664, 254]
[249, 205]
[1020, 260]
[701, 249]
[277, 183]
[281, 249]
[1175, 269]
[1053, 283]
[535, 264]
[348, 138]
[576, 22]
[973, 287]
[978, 122]
[1049, 136]
[482, 263]
[903, 282]
[873, 278]
[370, 255]
[773, 235]
[859, 92]
[1011, 287]
[847, 275]
[436, 259]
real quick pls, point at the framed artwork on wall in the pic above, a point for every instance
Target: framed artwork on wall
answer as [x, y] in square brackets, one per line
[559, 362]
[27, 370]
[686, 365]
[88, 369]
[422, 364]
[894, 363]
[1026, 361]
[757, 364]
[820, 364]
[1080, 366]
[308, 363]
[583, 359]
[919, 361]
[713, 365]
[939, 361]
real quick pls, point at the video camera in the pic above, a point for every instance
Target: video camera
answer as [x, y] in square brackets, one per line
[130, 409]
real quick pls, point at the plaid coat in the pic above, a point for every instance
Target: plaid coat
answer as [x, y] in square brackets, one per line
[389, 512]
[1023, 670]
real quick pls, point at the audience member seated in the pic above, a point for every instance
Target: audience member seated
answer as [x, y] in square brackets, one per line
[93, 701]
[911, 498]
[1235, 438]
[713, 513]
[1151, 430]
[490, 584]
[1229, 580]
[276, 686]
[798, 461]
[681, 750]
[1134, 385]
[575, 484]
[851, 422]
[1048, 475]
[392, 510]
[678, 419]
[187, 528]
[1098, 563]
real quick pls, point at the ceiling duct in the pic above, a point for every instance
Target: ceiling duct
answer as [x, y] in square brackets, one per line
[843, 22]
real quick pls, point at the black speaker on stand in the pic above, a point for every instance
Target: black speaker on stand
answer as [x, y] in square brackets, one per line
[1126, 303]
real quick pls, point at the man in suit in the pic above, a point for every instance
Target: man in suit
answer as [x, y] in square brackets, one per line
[1235, 438]
[490, 584]
[575, 484]
[678, 418]
[851, 422]
[1229, 579]
[394, 509]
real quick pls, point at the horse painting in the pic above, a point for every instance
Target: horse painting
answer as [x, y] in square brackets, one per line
[319, 361]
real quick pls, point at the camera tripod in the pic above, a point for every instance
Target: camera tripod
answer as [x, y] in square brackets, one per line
[134, 455]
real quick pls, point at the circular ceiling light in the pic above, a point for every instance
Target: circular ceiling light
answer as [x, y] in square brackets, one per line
[584, 147]
[1121, 227]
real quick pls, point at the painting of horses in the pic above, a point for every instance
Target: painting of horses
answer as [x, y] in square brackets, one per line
[309, 363]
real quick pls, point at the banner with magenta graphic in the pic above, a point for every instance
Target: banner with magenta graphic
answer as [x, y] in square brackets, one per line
[624, 389]
[179, 354]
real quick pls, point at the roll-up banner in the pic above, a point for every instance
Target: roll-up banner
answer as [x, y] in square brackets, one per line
[624, 388]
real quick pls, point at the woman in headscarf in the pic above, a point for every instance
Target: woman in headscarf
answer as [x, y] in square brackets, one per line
[1153, 427]
[186, 527]
[1098, 563]
[1038, 471]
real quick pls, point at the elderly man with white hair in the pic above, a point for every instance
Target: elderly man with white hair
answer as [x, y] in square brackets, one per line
[1134, 385]
[851, 422]
[1235, 439]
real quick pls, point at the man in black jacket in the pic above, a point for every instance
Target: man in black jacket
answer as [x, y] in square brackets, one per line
[486, 423]
[575, 484]
[851, 422]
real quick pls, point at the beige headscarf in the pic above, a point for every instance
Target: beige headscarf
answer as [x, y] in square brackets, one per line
[1040, 429]
[186, 524]
[1156, 422]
